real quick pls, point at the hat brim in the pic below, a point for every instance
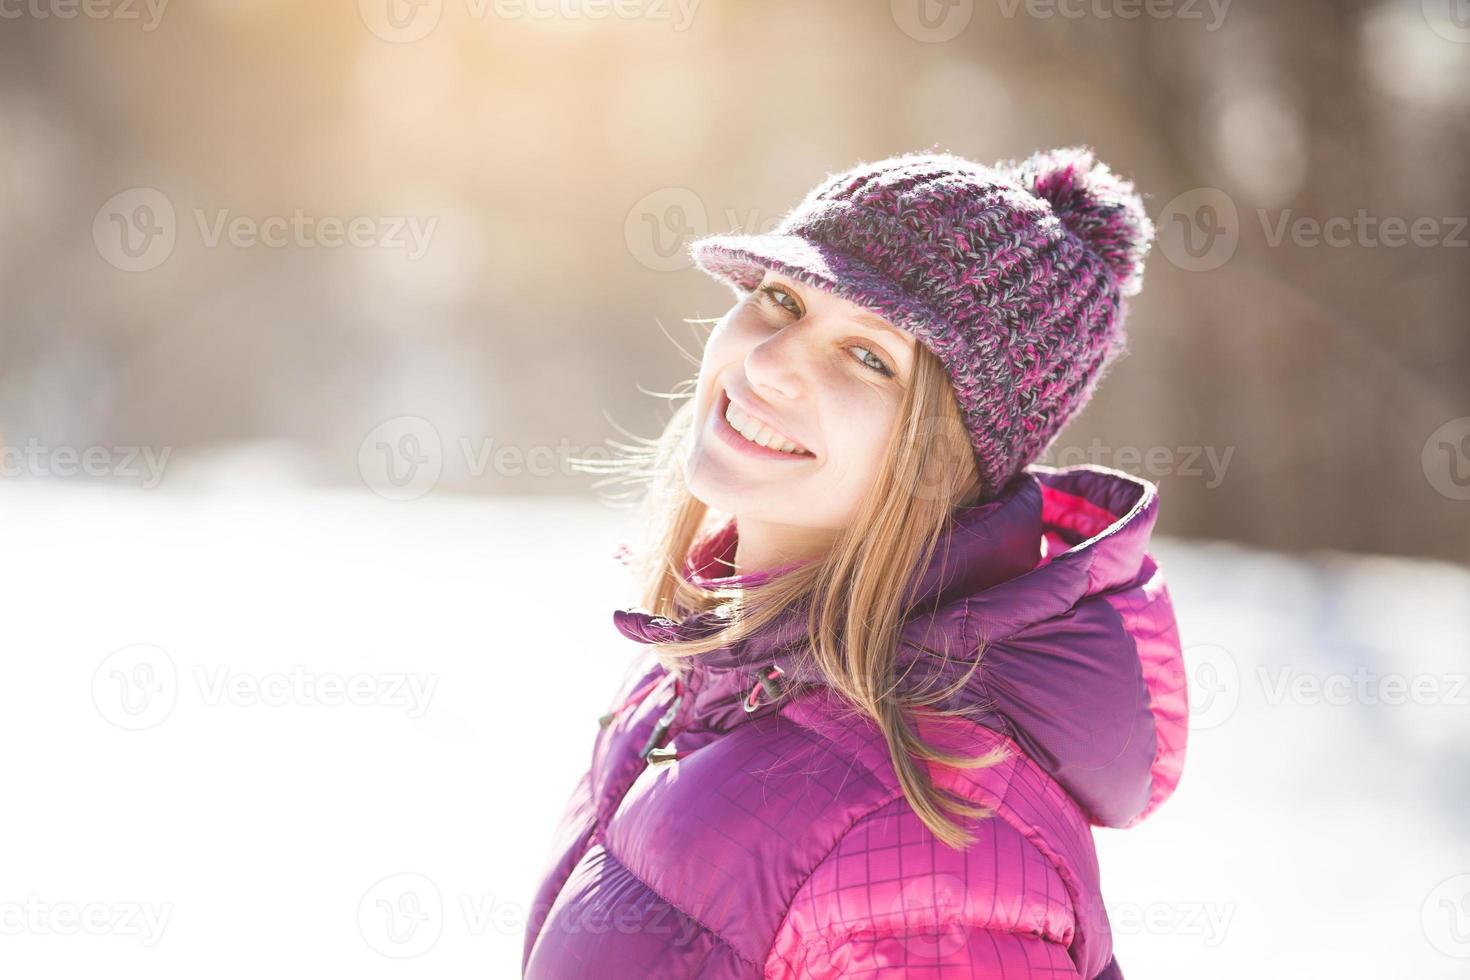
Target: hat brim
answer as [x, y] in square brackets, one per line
[741, 262]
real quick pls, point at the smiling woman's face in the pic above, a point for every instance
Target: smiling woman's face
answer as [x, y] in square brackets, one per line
[827, 375]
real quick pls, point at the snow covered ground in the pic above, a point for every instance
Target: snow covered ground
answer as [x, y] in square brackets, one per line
[319, 733]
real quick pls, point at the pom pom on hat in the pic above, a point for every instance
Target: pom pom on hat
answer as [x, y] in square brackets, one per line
[1099, 207]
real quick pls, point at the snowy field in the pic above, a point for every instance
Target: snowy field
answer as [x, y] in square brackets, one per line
[317, 733]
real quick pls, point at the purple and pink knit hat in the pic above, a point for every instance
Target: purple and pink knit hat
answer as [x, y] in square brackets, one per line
[1013, 275]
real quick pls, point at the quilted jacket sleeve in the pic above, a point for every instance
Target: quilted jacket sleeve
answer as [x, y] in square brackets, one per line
[891, 901]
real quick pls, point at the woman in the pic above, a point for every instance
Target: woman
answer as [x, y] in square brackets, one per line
[894, 671]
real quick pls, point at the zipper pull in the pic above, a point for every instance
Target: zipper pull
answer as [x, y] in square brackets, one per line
[662, 756]
[662, 728]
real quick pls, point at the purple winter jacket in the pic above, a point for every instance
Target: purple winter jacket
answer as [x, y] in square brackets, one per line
[748, 823]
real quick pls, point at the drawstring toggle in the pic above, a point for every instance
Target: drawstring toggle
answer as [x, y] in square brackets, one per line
[662, 727]
[767, 683]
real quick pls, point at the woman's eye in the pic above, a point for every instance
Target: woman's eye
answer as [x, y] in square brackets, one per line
[772, 292]
[876, 362]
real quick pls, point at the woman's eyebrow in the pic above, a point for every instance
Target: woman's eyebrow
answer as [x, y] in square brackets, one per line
[880, 325]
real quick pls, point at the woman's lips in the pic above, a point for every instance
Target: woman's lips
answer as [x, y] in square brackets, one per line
[735, 440]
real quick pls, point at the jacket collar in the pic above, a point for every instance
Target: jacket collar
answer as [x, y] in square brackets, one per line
[986, 545]
[1091, 690]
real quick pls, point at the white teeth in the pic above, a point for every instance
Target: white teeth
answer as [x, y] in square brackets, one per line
[759, 434]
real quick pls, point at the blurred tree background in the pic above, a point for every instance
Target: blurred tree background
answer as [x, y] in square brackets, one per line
[177, 181]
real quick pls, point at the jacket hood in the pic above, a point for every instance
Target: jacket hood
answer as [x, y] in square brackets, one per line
[1051, 583]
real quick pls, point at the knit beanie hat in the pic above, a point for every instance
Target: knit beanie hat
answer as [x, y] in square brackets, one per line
[1012, 275]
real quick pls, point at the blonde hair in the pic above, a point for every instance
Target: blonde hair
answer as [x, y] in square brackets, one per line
[856, 594]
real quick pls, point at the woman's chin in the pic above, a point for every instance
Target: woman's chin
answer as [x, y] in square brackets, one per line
[717, 484]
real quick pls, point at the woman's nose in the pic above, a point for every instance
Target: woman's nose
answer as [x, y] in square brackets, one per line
[781, 362]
